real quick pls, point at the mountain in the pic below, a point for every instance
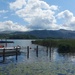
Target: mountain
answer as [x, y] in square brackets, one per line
[45, 33]
[52, 33]
[6, 32]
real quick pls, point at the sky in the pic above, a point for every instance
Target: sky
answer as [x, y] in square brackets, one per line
[26, 15]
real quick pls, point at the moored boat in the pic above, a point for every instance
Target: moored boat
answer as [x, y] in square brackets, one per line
[4, 48]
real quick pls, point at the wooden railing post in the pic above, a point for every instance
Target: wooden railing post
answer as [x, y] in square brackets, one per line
[27, 52]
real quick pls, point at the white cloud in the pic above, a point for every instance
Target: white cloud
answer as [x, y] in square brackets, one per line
[3, 11]
[18, 4]
[65, 14]
[37, 13]
[68, 20]
[9, 25]
[53, 7]
[40, 15]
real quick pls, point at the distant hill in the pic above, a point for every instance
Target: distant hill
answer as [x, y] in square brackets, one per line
[44, 33]
[52, 33]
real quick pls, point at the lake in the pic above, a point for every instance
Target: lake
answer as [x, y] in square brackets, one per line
[47, 62]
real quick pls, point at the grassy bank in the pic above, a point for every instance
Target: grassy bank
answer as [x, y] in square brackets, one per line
[63, 45]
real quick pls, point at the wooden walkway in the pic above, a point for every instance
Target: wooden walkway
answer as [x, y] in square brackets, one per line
[9, 51]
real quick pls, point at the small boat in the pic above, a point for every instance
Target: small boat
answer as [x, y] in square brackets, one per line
[8, 50]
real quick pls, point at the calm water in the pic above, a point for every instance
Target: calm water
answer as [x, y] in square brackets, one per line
[51, 63]
[42, 54]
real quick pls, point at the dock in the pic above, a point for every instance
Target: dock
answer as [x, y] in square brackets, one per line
[8, 51]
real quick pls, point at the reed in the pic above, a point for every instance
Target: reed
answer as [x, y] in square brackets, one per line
[63, 45]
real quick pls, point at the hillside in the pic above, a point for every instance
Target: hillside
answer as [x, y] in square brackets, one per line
[52, 33]
[40, 34]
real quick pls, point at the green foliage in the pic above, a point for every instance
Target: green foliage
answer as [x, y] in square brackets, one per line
[64, 45]
[4, 36]
[16, 36]
[64, 48]
[46, 42]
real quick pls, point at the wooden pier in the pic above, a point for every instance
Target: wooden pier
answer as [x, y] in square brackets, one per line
[9, 51]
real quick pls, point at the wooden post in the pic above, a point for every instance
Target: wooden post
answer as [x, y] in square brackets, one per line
[47, 51]
[16, 53]
[50, 53]
[37, 51]
[27, 52]
[3, 55]
[6, 43]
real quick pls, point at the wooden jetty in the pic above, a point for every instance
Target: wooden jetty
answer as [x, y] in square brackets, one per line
[8, 51]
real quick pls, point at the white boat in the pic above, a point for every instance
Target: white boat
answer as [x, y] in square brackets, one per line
[8, 50]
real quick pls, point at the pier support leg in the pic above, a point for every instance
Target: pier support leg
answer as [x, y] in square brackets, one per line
[3, 55]
[16, 53]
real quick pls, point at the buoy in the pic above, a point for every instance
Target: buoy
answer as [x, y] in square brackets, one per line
[30, 48]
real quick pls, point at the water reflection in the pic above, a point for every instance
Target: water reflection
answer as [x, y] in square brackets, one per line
[68, 56]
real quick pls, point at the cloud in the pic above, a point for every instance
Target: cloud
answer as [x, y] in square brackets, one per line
[40, 15]
[3, 11]
[68, 19]
[18, 4]
[10, 26]
[37, 13]
[65, 14]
